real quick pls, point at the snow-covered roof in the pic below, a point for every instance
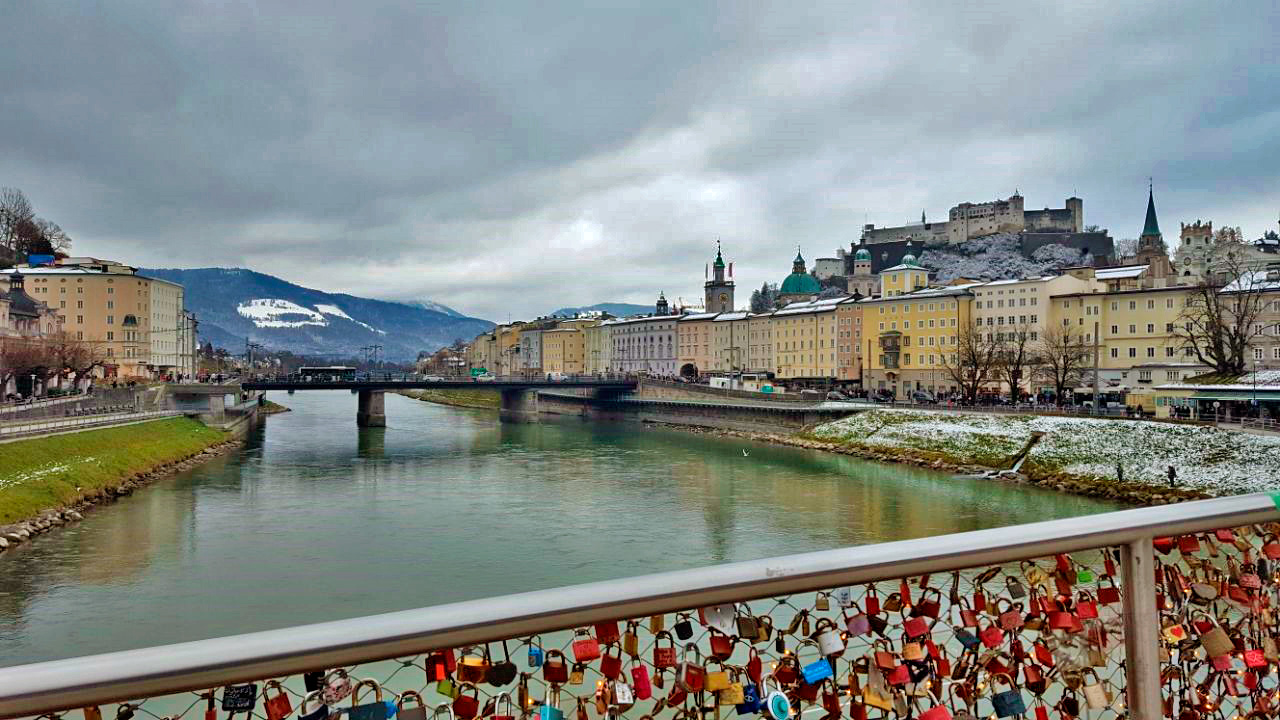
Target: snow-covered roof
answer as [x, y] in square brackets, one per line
[731, 316]
[1011, 281]
[1116, 273]
[948, 291]
[47, 270]
[812, 306]
[1252, 281]
[1262, 380]
[698, 316]
[905, 266]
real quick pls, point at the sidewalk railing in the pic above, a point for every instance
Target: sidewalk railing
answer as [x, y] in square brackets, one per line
[1108, 615]
[24, 428]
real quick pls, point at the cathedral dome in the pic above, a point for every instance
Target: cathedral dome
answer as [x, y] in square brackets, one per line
[910, 260]
[800, 284]
[863, 255]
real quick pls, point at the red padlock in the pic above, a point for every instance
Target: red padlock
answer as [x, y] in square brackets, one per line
[607, 632]
[691, 675]
[915, 627]
[721, 645]
[555, 669]
[872, 601]
[640, 682]
[754, 666]
[664, 657]
[611, 665]
[1254, 659]
[278, 707]
[585, 647]
[466, 706]
[1188, 544]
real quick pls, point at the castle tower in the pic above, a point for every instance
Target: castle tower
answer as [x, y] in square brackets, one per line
[719, 289]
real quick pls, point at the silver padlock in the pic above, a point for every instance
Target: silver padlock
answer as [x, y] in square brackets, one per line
[829, 640]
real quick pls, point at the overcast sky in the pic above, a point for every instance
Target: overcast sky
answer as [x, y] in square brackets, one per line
[511, 158]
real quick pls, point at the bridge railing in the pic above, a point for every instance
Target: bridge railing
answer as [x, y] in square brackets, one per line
[388, 377]
[1111, 615]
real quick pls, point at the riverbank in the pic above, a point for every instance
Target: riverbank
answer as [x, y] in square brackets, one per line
[983, 456]
[272, 408]
[476, 399]
[46, 482]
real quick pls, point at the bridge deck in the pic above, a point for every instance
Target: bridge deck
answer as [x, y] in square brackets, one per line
[394, 384]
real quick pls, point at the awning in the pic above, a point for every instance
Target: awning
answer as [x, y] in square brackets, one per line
[1238, 396]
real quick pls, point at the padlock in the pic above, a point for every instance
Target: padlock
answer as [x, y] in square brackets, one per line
[472, 667]
[504, 708]
[577, 673]
[466, 706]
[416, 712]
[822, 602]
[447, 688]
[1254, 659]
[857, 624]
[751, 702]
[893, 603]
[913, 651]
[929, 605]
[446, 707]
[818, 670]
[657, 623]
[937, 712]
[500, 674]
[379, 709]
[664, 656]
[684, 626]
[611, 663]
[844, 597]
[876, 692]
[640, 684]
[721, 645]
[320, 713]
[915, 627]
[776, 703]
[720, 617]
[277, 707]
[93, 712]
[607, 632]
[1108, 594]
[992, 636]
[1008, 702]
[746, 626]
[437, 667]
[1014, 587]
[829, 640]
[691, 675]
[735, 693]
[716, 680]
[1096, 695]
[871, 601]
[548, 711]
[631, 640]
[555, 669]
[1215, 640]
[536, 655]
[754, 666]
[585, 647]
[239, 698]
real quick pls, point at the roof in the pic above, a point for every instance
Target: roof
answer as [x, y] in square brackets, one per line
[948, 291]
[1252, 281]
[1121, 271]
[742, 315]
[1151, 227]
[698, 316]
[1261, 380]
[905, 266]
[862, 254]
[800, 284]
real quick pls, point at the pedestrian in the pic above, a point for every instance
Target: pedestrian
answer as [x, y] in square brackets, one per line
[1119, 472]
[1173, 477]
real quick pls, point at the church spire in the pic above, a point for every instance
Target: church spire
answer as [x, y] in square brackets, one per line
[1151, 227]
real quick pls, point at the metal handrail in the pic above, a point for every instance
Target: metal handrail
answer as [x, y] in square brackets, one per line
[61, 684]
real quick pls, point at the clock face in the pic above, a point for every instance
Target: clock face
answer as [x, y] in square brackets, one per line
[724, 297]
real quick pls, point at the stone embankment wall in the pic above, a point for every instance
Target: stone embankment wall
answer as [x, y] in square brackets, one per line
[730, 415]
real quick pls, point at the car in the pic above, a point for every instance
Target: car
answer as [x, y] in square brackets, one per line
[920, 396]
[433, 378]
[486, 377]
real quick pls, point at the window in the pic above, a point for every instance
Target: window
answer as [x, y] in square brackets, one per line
[1275, 353]
[1151, 328]
[1033, 320]
[79, 319]
[1115, 329]
[1168, 302]
[1133, 352]
[1115, 352]
[111, 335]
[1133, 328]
[111, 319]
[1168, 352]
[1168, 327]
[1113, 307]
[1151, 304]
[1151, 352]
[1133, 304]
[111, 304]
[1257, 353]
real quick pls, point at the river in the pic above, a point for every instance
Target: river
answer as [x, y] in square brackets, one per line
[316, 520]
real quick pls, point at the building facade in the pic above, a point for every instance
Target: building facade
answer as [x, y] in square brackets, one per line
[970, 220]
[645, 345]
[693, 346]
[804, 338]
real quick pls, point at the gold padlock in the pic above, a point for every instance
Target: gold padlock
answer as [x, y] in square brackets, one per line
[716, 680]
[823, 602]
[631, 641]
[657, 623]
[577, 674]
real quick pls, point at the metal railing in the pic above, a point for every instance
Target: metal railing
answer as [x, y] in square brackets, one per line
[95, 419]
[1075, 660]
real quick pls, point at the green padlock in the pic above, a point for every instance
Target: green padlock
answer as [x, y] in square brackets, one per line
[446, 688]
[1084, 575]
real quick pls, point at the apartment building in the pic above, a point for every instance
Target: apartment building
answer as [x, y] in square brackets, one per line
[908, 336]
[729, 341]
[693, 334]
[849, 340]
[760, 352]
[804, 337]
[564, 350]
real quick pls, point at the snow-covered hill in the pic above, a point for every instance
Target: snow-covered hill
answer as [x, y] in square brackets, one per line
[234, 304]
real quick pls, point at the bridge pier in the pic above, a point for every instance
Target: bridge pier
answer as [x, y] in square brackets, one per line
[371, 410]
[519, 405]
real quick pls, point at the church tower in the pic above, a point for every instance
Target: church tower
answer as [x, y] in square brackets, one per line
[719, 291]
[1152, 251]
[662, 307]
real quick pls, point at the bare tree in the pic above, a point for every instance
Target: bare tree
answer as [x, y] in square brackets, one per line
[1063, 359]
[74, 357]
[15, 210]
[1015, 357]
[20, 357]
[972, 362]
[1220, 317]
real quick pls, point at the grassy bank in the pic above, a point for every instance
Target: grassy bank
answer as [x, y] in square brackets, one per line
[483, 399]
[1206, 459]
[50, 472]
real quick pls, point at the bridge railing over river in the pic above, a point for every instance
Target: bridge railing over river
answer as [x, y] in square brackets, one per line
[1161, 611]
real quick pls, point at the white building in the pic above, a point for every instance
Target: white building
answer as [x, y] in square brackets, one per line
[645, 345]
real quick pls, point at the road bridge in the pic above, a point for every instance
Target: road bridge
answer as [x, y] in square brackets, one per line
[371, 389]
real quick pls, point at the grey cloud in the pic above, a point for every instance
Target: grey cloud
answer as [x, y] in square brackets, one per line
[498, 156]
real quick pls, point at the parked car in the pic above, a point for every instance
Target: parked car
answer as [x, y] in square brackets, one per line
[486, 377]
[924, 397]
[882, 396]
[433, 378]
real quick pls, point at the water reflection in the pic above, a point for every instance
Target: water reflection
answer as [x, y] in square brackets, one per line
[317, 520]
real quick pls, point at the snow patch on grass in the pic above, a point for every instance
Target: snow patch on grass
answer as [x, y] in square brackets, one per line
[1219, 462]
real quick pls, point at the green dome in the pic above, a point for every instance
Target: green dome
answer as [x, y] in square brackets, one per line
[862, 254]
[910, 259]
[800, 284]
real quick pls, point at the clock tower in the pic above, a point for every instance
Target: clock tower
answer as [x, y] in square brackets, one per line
[719, 291]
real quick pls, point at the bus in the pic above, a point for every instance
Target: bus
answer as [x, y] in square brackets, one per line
[332, 373]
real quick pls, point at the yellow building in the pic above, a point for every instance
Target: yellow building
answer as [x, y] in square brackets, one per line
[564, 351]
[693, 346]
[1135, 338]
[507, 349]
[804, 338]
[729, 342]
[599, 347]
[760, 357]
[849, 340]
[909, 333]
[483, 353]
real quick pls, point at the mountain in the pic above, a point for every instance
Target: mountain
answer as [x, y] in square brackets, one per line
[615, 309]
[232, 304]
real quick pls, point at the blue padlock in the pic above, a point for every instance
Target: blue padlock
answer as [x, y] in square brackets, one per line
[547, 711]
[751, 702]
[1009, 702]
[536, 656]
[776, 703]
[818, 670]
[379, 709]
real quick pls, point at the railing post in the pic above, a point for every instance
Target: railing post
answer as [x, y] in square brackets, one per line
[1141, 631]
